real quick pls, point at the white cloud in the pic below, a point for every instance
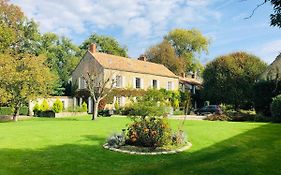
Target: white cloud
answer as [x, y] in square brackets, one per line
[142, 18]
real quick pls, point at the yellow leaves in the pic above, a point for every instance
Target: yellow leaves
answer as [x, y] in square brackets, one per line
[24, 78]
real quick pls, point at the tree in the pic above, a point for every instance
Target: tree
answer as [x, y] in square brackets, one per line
[99, 88]
[230, 79]
[276, 16]
[62, 58]
[105, 44]
[164, 53]
[188, 44]
[23, 78]
[17, 33]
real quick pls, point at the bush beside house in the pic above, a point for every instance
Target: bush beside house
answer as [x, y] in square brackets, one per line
[43, 110]
[276, 108]
[8, 111]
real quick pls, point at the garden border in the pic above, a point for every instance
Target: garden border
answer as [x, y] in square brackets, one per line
[149, 153]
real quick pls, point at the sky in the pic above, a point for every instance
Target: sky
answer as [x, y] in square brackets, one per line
[139, 24]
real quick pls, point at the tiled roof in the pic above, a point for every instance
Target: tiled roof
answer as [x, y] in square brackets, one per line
[131, 65]
[191, 81]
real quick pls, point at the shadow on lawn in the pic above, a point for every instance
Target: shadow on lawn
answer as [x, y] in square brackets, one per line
[254, 152]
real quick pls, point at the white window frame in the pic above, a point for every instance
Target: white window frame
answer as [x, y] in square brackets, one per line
[121, 81]
[169, 85]
[157, 84]
[79, 82]
[135, 83]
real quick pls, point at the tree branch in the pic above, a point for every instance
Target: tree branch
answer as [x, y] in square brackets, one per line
[253, 12]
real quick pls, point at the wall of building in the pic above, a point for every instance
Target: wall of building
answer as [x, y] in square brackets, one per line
[66, 100]
[87, 64]
[128, 79]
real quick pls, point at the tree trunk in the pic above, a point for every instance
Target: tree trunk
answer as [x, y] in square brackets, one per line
[16, 113]
[95, 109]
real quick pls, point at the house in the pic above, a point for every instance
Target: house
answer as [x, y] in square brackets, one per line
[128, 73]
[192, 84]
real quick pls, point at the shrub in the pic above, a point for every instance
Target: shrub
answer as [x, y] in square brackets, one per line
[178, 112]
[36, 108]
[5, 111]
[149, 132]
[8, 111]
[116, 105]
[84, 107]
[102, 104]
[57, 106]
[105, 113]
[24, 110]
[116, 140]
[45, 105]
[220, 117]
[276, 108]
[179, 138]
[264, 91]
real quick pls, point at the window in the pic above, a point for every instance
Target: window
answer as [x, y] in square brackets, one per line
[119, 100]
[154, 84]
[169, 86]
[118, 81]
[138, 83]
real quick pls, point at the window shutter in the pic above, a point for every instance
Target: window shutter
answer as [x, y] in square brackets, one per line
[122, 81]
[158, 84]
[79, 83]
[134, 82]
[141, 83]
[172, 85]
[123, 100]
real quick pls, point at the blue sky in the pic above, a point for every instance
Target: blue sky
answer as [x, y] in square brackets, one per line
[138, 24]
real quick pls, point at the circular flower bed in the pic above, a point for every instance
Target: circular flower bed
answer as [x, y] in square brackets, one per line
[150, 132]
[147, 151]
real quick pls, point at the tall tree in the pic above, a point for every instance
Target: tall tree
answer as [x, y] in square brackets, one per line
[17, 33]
[23, 78]
[164, 53]
[62, 57]
[276, 16]
[99, 88]
[188, 44]
[230, 78]
[105, 44]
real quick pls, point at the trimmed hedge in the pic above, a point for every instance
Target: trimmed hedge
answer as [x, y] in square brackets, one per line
[8, 111]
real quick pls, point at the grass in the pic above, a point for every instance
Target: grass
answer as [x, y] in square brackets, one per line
[74, 146]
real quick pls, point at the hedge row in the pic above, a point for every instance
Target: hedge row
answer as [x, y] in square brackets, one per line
[8, 111]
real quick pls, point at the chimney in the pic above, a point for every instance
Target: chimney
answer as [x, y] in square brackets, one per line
[142, 58]
[93, 48]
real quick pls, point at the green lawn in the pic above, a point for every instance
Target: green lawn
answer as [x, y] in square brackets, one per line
[74, 146]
